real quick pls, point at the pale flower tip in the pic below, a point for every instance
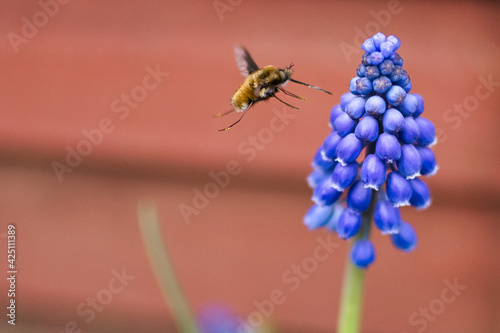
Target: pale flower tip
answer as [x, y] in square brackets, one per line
[426, 205]
[415, 175]
[372, 186]
[338, 159]
[402, 204]
[433, 143]
[433, 172]
[326, 158]
[338, 187]
[389, 232]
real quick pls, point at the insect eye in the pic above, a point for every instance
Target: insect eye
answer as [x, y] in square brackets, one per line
[284, 75]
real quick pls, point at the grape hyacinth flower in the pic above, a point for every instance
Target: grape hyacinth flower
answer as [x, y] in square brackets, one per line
[382, 116]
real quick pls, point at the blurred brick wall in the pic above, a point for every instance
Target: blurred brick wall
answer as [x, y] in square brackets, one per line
[70, 76]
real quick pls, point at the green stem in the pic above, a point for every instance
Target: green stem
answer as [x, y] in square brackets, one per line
[164, 272]
[350, 306]
[349, 318]
[352, 290]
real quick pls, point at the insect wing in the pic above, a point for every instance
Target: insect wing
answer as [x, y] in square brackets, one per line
[244, 61]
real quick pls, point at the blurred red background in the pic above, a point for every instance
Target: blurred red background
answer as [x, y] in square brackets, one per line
[64, 77]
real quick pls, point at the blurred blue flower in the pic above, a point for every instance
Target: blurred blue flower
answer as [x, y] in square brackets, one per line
[217, 318]
[381, 116]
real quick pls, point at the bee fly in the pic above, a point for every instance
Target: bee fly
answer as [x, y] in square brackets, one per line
[259, 85]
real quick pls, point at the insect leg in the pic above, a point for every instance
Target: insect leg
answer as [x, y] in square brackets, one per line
[290, 94]
[294, 107]
[310, 86]
[237, 121]
[223, 113]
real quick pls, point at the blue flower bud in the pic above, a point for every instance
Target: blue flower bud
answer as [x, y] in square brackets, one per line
[395, 95]
[368, 46]
[362, 253]
[361, 70]
[404, 79]
[375, 106]
[429, 165]
[365, 59]
[420, 106]
[356, 108]
[410, 131]
[349, 149]
[330, 145]
[427, 132]
[344, 175]
[394, 40]
[344, 124]
[398, 189]
[396, 74]
[336, 111]
[375, 58]
[346, 98]
[373, 172]
[396, 59]
[321, 162]
[324, 194]
[392, 121]
[318, 216]
[387, 48]
[410, 163]
[352, 85]
[409, 105]
[367, 129]
[364, 86]
[381, 84]
[387, 148]
[359, 196]
[421, 195]
[408, 87]
[348, 224]
[378, 39]
[372, 72]
[316, 177]
[406, 238]
[386, 217]
[386, 67]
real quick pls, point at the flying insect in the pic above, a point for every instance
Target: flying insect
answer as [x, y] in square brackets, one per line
[260, 84]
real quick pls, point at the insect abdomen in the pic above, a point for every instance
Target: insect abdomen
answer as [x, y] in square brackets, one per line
[244, 96]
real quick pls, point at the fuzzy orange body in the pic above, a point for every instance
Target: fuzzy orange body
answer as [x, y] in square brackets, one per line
[258, 86]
